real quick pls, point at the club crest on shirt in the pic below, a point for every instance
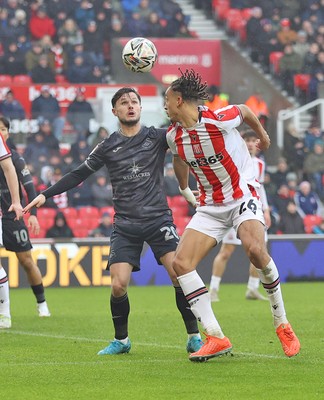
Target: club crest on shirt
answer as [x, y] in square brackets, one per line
[220, 116]
[197, 149]
[147, 144]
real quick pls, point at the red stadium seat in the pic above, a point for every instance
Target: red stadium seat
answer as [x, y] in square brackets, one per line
[221, 9]
[41, 235]
[233, 19]
[310, 221]
[5, 80]
[301, 82]
[22, 79]
[78, 228]
[93, 212]
[70, 213]
[274, 59]
[46, 217]
[246, 13]
[60, 78]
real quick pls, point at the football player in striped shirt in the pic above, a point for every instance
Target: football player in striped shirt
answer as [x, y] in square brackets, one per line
[208, 143]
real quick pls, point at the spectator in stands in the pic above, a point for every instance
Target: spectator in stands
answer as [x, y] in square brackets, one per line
[36, 152]
[41, 24]
[216, 99]
[286, 35]
[154, 27]
[67, 164]
[101, 191]
[81, 196]
[294, 149]
[117, 27]
[52, 143]
[129, 6]
[93, 43]
[98, 136]
[84, 13]
[45, 106]
[309, 29]
[80, 112]
[42, 73]
[13, 60]
[301, 46]
[174, 24]
[104, 229]
[282, 198]
[23, 44]
[266, 43]
[253, 29]
[170, 181]
[290, 64]
[312, 135]
[71, 31]
[79, 71]
[280, 176]
[78, 51]
[307, 201]
[12, 108]
[103, 19]
[60, 229]
[310, 58]
[136, 25]
[315, 81]
[60, 200]
[80, 149]
[32, 56]
[314, 167]
[290, 8]
[292, 183]
[259, 106]
[291, 221]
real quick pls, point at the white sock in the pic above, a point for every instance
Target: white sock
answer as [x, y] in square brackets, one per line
[215, 282]
[269, 277]
[253, 283]
[198, 298]
[190, 335]
[4, 294]
[124, 341]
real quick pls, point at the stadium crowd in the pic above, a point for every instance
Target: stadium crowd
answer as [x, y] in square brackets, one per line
[54, 40]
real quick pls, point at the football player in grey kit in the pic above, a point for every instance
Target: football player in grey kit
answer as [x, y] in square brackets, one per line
[134, 156]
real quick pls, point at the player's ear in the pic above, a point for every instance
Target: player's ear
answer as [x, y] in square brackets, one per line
[114, 111]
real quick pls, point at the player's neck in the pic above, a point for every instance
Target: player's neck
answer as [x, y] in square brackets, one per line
[189, 118]
[129, 131]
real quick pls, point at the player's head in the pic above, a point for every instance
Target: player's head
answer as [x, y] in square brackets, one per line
[186, 90]
[251, 139]
[4, 127]
[127, 108]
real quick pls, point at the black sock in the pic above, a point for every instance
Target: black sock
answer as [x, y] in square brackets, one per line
[120, 309]
[38, 291]
[188, 317]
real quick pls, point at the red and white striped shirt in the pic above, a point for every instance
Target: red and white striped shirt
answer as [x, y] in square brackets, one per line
[4, 149]
[216, 154]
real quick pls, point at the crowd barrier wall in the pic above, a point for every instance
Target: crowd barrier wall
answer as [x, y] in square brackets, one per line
[83, 262]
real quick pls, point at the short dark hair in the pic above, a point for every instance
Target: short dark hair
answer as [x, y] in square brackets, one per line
[190, 86]
[249, 134]
[5, 122]
[123, 91]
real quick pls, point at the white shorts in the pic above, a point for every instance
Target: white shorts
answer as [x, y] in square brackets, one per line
[216, 221]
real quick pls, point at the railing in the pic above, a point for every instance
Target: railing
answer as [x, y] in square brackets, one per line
[295, 115]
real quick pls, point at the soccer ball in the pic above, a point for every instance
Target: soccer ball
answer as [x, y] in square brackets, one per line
[139, 55]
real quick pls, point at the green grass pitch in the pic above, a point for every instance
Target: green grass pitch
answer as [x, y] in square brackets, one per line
[56, 358]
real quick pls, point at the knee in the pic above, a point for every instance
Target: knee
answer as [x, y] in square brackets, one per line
[28, 264]
[256, 252]
[118, 287]
[180, 265]
[224, 255]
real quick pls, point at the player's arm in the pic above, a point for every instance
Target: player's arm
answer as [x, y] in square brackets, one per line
[253, 122]
[67, 182]
[181, 171]
[13, 185]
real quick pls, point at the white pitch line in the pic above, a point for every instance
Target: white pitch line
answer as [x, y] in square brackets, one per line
[93, 340]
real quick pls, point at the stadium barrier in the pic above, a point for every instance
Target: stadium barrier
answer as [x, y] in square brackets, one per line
[82, 262]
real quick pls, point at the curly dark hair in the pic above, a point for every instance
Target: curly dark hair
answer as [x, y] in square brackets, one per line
[190, 86]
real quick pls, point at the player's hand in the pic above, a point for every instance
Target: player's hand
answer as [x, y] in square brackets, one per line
[17, 209]
[33, 224]
[189, 196]
[267, 218]
[37, 202]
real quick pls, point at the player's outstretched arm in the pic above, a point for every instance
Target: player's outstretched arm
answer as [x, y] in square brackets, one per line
[37, 202]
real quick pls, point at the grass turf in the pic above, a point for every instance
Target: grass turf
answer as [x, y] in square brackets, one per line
[56, 358]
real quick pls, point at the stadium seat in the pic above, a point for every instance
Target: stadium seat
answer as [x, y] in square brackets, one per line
[246, 13]
[310, 221]
[233, 19]
[274, 59]
[41, 235]
[221, 9]
[181, 223]
[301, 82]
[22, 79]
[70, 213]
[5, 80]
[93, 212]
[60, 78]
[46, 217]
